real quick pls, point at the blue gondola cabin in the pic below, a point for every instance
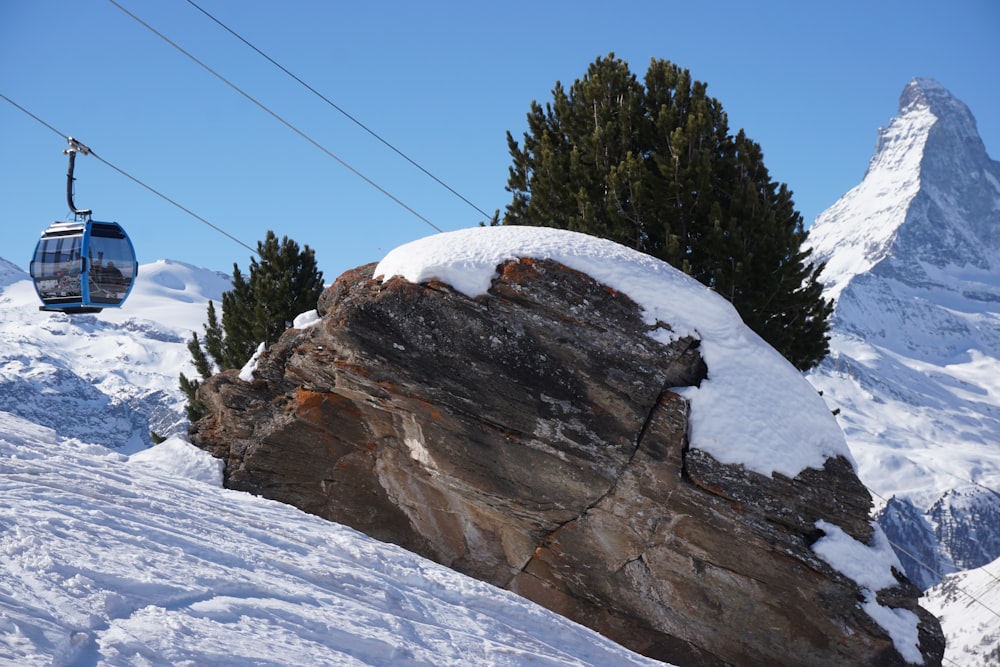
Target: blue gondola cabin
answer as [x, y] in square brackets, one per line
[83, 267]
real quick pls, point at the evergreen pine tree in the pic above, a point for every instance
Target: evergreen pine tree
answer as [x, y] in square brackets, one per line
[283, 282]
[653, 166]
[214, 338]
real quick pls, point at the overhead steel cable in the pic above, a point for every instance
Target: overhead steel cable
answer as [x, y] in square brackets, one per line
[134, 179]
[956, 586]
[935, 571]
[171, 201]
[275, 115]
[338, 108]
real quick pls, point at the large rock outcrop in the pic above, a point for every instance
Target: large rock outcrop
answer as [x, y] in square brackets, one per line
[530, 438]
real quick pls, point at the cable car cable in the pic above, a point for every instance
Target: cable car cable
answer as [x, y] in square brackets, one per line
[134, 179]
[171, 201]
[338, 108]
[276, 116]
[935, 571]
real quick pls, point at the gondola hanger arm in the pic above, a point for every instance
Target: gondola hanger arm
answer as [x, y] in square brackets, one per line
[77, 146]
[74, 148]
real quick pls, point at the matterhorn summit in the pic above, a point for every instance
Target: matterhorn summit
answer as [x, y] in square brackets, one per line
[912, 259]
[929, 200]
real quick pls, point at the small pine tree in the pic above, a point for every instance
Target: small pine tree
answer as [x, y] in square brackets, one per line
[283, 282]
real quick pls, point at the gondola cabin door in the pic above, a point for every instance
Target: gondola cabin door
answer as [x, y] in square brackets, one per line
[83, 267]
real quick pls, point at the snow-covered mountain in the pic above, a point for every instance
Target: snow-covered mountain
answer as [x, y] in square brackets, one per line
[110, 377]
[967, 604]
[913, 260]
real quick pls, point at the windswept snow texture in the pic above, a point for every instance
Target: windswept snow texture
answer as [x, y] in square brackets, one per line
[107, 560]
[754, 409]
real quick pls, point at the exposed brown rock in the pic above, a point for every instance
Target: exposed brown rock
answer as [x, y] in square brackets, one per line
[530, 438]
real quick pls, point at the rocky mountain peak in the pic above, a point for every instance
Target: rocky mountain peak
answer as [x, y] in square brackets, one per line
[929, 199]
[927, 94]
[931, 124]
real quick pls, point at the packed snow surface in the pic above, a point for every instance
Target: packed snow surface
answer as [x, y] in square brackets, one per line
[755, 409]
[111, 560]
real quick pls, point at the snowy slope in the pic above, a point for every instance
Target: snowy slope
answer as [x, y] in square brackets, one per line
[967, 604]
[111, 560]
[110, 377]
[913, 260]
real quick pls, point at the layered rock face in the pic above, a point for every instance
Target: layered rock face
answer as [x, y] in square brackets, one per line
[531, 438]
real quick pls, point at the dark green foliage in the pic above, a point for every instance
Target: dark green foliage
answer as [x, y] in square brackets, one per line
[213, 341]
[194, 409]
[653, 166]
[283, 282]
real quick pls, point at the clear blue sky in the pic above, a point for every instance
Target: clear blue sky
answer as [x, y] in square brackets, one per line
[442, 81]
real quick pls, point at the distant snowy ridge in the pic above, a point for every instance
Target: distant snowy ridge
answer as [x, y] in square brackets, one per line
[10, 273]
[110, 377]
